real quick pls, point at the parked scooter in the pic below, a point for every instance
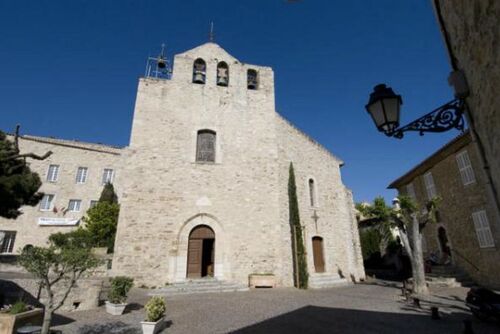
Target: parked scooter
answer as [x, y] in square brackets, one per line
[483, 303]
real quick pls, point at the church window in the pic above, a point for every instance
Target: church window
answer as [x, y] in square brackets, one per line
[312, 192]
[252, 79]
[205, 146]
[199, 71]
[222, 74]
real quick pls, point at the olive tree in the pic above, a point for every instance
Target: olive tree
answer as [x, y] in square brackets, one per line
[410, 221]
[58, 267]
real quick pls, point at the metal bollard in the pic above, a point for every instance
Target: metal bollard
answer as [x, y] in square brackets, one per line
[435, 313]
[416, 302]
[468, 327]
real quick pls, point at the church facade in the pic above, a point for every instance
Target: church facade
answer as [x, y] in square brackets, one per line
[203, 183]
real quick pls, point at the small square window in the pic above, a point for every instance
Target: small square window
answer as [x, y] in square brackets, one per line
[53, 173]
[93, 203]
[74, 205]
[81, 175]
[107, 176]
[46, 202]
[7, 239]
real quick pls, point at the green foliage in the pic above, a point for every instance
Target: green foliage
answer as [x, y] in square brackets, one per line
[120, 286]
[18, 184]
[298, 246]
[155, 308]
[108, 194]
[18, 307]
[101, 222]
[370, 242]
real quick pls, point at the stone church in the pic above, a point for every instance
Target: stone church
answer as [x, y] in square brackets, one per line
[203, 183]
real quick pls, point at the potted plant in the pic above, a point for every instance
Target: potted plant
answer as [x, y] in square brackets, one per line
[14, 316]
[117, 296]
[155, 314]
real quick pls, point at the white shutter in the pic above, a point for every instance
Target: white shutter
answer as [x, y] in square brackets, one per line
[430, 187]
[53, 173]
[483, 230]
[81, 175]
[465, 168]
[46, 202]
[74, 205]
[410, 191]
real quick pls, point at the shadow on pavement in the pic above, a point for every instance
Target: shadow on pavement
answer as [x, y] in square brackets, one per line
[314, 319]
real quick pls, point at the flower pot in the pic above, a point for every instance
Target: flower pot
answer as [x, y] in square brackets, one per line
[152, 327]
[9, 323]
[115, 309]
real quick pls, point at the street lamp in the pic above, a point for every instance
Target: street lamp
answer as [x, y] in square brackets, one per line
[384, 108]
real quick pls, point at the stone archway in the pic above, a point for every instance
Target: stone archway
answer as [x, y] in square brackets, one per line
[201, 250]
[178, 260]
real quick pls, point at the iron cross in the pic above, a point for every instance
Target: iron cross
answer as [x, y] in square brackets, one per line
[315, 217]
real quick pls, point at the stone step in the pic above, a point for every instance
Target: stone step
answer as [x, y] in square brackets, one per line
[326, 281]
[198, 286]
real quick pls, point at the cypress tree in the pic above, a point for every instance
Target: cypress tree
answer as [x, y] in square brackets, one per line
[108, 194]
[300, 261]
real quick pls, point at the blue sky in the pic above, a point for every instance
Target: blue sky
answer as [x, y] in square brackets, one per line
[69, 69]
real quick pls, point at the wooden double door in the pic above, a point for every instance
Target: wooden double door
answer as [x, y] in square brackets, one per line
[201, 252]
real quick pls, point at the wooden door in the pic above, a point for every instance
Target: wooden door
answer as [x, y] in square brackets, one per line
[195, 249]
[319, 261]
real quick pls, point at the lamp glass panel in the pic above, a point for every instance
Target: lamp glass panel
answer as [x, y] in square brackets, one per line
[377, 113]
[392, 109]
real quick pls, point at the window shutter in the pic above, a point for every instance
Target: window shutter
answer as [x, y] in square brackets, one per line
[482, 228]
[465, 168]
[430, 187]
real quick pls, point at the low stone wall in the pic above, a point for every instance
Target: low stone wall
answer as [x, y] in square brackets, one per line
[86, 295]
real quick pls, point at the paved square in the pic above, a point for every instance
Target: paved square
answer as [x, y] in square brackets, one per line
[363, 308]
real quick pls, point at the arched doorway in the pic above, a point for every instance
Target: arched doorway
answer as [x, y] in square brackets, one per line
[444, 245]
[201, 251]
[319, 260]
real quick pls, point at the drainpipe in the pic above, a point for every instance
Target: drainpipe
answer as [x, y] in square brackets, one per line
[492, 191]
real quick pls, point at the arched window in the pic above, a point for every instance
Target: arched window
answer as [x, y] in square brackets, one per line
[252, 80]
[222, 74]
[199, 71]
[312, 192]
[205, 146]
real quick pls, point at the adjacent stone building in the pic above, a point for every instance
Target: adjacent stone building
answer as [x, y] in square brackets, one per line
[468, 231]
[471, 32]
[203, 183]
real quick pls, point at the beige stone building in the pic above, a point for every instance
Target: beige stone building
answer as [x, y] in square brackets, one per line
[203, 183]
[468, 230]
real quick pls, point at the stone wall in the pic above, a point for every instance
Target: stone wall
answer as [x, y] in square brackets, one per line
[69, 155]
[473, 27]
[455, 213]
[334, 208]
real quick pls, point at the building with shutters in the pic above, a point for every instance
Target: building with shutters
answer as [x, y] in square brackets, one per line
[203, 183]
[467, 234]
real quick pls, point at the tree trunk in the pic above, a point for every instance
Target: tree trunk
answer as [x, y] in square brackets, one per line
[47, 319]
[419, 284]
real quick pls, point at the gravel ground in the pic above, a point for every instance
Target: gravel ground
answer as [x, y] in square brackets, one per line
[363, 308]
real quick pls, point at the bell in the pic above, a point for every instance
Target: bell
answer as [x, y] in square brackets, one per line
[199, 77]
[161, 63]
[252, 84]
[222, 81]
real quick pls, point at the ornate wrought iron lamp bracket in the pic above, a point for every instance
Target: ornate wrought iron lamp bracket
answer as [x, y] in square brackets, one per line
[444, 118]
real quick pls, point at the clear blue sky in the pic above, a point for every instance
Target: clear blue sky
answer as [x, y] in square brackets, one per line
[69, 69]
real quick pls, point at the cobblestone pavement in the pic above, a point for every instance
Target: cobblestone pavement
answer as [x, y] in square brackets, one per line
[363, 308]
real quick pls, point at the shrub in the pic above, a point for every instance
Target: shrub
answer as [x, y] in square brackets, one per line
[18, 307]
[120, 286]
[155, 308]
